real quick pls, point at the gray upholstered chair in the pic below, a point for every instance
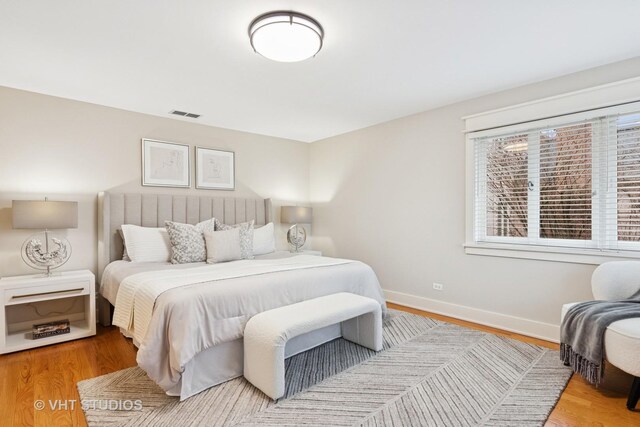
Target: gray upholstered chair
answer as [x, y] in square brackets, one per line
[616, 281]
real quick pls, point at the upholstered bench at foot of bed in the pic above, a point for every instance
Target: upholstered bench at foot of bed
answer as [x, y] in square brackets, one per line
[266, 334]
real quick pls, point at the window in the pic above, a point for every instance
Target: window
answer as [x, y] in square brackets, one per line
[627, 178]
[573, 184]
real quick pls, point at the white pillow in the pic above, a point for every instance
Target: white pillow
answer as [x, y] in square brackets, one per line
[223, 246]
[146, 244]
[264, 240]
[125, 255]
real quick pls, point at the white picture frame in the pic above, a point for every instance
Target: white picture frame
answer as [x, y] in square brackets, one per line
[165, 164]
[215, 169]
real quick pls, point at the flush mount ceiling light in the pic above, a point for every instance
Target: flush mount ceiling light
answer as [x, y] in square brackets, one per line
[286, 36]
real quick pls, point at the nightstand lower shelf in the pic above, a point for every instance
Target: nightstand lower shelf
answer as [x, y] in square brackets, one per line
[21, 340]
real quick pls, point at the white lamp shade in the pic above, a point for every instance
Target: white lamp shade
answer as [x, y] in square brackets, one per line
[296, 215]
[40, 214]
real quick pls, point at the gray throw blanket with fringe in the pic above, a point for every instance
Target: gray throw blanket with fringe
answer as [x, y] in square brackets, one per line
[582, 333]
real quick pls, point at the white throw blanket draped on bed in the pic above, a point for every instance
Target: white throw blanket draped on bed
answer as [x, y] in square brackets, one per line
[138, 293]
[177, 314]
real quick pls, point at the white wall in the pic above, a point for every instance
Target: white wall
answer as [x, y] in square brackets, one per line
[393, 195]
[70, 150]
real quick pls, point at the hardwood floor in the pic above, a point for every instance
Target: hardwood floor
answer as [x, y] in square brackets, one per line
[50, 374]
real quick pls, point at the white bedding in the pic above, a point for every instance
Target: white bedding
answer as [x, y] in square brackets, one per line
[196, 307]
[117, 271]
[138, 293]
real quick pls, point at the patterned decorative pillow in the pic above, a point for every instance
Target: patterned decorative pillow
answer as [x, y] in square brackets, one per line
[187, 241]
[246, 236]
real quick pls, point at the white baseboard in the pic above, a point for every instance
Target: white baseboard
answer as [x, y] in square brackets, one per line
[531, 328]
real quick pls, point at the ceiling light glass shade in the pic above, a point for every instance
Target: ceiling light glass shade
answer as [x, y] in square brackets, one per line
[286, 36]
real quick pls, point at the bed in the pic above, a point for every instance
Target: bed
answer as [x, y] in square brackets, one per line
[189, 318]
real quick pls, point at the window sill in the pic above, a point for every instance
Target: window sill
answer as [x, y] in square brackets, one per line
[570, 255]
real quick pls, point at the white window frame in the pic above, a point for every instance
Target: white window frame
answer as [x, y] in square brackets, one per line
[581, 105]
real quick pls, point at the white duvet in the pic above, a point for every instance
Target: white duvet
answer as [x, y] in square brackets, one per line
[175, 314]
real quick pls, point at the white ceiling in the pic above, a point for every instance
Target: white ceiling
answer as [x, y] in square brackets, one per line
[381, 59]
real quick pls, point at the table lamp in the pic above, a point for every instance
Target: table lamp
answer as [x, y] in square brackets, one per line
[296, 236]
[45, 215]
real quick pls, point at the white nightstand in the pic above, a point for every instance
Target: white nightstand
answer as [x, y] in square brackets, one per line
[308, 252]
[24, 300]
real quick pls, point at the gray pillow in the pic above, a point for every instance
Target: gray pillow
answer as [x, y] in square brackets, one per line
[223, 246]
[246, 236]
[187, 241]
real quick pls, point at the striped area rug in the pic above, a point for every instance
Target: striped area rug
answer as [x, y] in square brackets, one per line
[431, 373]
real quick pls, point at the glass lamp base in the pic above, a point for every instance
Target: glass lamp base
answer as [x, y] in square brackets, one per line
[43, 252]
[296, 236]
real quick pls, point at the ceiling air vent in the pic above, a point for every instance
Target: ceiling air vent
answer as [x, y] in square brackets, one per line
[184, 114]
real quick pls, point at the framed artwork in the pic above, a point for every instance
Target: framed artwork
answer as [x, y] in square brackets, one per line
[215, 169]
[165, 164]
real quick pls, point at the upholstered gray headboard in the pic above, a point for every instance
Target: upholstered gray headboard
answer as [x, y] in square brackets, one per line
[152, 210]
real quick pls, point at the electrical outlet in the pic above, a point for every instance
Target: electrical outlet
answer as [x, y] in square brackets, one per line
[438, 286]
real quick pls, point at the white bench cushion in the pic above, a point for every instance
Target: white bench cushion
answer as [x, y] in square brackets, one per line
[621, 343]
[266, 334]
